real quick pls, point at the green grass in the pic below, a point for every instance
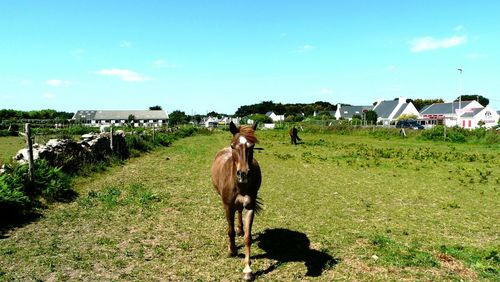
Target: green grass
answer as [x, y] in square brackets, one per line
[352, 207]
[9, 147]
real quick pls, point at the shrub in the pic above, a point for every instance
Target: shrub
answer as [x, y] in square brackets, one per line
[137, 142]
[435, 133]
[51, 182]
[163, 139]
[260, 118]
[12, 199]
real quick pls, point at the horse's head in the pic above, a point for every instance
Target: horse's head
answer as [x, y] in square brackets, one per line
[242, 144]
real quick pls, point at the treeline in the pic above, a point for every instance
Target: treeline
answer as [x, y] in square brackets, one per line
[284, 109]
[309, 109]
[8, 114]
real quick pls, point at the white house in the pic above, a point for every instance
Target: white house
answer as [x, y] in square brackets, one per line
[275, 117]
[347, 112]
[390, 110]
[452, 114]
[473, 118]
[121, 117]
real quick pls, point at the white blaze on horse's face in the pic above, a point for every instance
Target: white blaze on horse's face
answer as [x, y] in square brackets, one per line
[242, 151]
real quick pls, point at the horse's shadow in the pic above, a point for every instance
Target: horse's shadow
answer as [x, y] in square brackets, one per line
[283, 245]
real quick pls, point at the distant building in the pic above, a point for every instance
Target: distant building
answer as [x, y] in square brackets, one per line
[467, 114]
[275, 117]
[140, 118]
[215, 122]
[390, 110]
[347, 112]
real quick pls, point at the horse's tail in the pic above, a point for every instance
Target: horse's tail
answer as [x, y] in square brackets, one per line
[258, 205]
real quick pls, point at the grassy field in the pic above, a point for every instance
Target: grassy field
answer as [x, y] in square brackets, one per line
[9, 147]
[335, 208]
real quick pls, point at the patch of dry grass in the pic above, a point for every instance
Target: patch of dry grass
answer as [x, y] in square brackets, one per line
[9, 147]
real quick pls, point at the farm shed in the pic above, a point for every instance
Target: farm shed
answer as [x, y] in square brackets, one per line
[139, 118]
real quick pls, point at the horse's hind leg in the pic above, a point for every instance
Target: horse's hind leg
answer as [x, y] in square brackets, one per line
[230, 230]
[239, 227]
[247, 272]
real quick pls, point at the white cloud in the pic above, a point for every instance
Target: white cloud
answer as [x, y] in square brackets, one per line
[475, 56]
[78, 53]
[125, 75]
[125, 44]
[48, 96]
[306, 48]
[57, 82]
[391, 68]
[161, 63]
[25, 82]
[326, 91]
[430, 43]
[459, 28]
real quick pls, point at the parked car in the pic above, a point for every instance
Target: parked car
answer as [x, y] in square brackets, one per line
[413, 124]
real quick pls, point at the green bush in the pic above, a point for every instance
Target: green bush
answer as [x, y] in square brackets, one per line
[12, 199]
[260, 118]
[163, 139]
[138, 143]
[435, 133]
[51, 182]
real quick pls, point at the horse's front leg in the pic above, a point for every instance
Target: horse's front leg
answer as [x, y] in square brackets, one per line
[230, 230]
[239, 227]
[247, 272]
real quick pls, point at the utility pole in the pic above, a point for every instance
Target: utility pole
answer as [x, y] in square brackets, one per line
[460, 90]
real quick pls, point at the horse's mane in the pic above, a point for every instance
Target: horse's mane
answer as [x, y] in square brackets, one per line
[249, 134]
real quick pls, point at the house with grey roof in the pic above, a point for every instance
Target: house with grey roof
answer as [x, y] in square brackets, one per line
[390, 110]
[275, 117]
[465, 114]
[347, 112]
[138, 118]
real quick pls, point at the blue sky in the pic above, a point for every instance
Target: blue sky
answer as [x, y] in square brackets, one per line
[200, 56]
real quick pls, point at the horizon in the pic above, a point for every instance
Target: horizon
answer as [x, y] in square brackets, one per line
[202, 56]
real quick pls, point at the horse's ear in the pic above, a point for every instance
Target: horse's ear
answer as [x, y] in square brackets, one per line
[233, 128]
[254, 126]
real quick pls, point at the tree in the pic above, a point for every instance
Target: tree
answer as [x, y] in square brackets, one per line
[481, 100]
[371, 117]
[421, 103]
[407, 117]
[130, 119]
[260, 118]
[177, 117]
[155, 108]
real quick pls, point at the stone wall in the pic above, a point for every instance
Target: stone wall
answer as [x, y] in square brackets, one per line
[71, 155]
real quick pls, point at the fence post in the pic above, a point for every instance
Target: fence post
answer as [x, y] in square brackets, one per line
[29, 144]
[111, 138]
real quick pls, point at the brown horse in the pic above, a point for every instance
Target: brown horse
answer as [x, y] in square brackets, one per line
[294, 136]
[236, 177]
